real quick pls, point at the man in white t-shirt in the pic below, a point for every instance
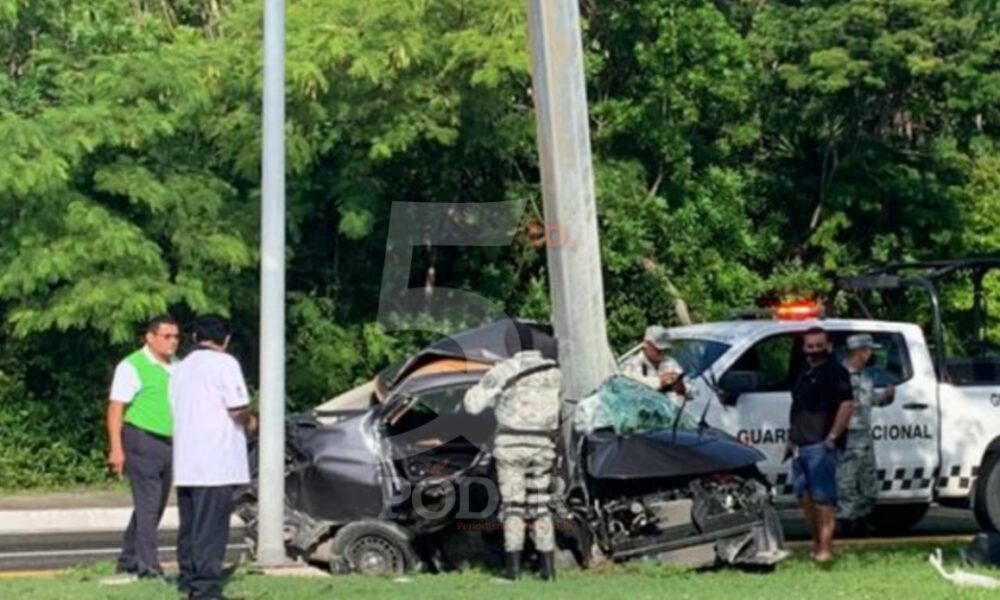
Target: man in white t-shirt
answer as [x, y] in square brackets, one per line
[211, 412]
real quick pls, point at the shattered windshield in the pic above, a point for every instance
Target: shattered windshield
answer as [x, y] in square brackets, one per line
[629, 407]
[696, 355]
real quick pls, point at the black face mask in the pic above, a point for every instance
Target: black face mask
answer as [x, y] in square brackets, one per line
[816, 356]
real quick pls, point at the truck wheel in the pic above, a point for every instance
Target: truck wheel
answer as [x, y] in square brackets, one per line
[897, 519]
[986, 497]
[376, 548]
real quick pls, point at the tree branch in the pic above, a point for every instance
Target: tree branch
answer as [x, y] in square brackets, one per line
[681, 310]
[656, 185]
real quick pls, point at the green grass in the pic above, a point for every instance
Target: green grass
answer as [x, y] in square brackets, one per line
[111, 484]
[882, 574]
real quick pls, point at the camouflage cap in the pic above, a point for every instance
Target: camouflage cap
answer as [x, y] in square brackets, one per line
[658, 336]
[861, 340]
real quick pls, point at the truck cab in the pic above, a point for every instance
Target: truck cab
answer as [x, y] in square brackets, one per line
[746, 392]
[938, 441]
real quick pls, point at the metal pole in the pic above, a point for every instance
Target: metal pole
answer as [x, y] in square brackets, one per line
[271, 491]
[574, 257]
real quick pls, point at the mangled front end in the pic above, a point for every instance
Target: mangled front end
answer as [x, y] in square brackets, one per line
[365, 492]
[657, 483]
[679, 497]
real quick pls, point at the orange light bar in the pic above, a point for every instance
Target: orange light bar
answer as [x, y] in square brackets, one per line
[799, 310]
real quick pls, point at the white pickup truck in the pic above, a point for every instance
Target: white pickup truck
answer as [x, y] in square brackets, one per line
[939, 441]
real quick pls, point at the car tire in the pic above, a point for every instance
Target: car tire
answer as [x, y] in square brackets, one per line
[986, 495]
[374, 548]
[897, 519]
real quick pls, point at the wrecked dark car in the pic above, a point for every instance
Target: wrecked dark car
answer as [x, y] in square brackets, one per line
[395, 476]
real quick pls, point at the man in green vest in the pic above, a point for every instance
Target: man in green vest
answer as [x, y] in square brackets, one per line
[140, 428]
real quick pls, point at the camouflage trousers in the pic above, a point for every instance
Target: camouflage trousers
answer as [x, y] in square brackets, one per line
[857, 486]
[524, 474]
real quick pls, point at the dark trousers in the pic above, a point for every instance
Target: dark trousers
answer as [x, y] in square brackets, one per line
[148, 460]
[202, 539]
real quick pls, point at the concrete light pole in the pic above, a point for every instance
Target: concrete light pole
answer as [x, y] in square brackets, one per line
[574, 259]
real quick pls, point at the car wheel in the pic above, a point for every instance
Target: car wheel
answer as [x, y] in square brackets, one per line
[986, 497]
[374, 548]
[897, 519]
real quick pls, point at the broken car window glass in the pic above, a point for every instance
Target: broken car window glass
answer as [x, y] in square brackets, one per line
[629, 407]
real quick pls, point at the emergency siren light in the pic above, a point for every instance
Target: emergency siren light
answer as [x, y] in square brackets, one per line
[798, 310]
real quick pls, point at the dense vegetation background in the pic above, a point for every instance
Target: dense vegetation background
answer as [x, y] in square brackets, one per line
[744, 150]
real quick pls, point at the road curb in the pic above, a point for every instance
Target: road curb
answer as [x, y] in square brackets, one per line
[43, 521]
[28, 522]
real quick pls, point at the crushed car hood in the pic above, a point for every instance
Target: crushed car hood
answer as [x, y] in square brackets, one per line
[664, 454]
[487, 344]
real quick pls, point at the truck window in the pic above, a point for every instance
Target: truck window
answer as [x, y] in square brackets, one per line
[696, 355]
[772, 358]
[977, 371]
[889, 364]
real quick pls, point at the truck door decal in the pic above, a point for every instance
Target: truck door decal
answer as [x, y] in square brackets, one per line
[763, 436]
[889, 480]
[958, 476]
[902, 432]
[892, 432]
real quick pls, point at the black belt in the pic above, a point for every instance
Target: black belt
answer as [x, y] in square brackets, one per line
[166, 439]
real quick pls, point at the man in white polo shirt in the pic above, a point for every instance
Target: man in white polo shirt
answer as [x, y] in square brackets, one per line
[211, 410]
[139, 430]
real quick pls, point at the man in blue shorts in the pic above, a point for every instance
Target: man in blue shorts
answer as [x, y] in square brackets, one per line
[822, 402]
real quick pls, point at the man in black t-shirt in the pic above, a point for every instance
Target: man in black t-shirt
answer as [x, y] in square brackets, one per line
[822, 402]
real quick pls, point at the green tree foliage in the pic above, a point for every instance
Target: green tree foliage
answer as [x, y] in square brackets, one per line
[882, 131]
[673, 112]
[114, 207]
[880, 119]
[743, 151]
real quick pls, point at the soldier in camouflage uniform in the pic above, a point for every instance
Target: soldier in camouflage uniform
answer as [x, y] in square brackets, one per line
[524, 392]
[857, 487]
[653, 365]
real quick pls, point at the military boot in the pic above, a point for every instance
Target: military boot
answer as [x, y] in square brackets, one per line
[861, 527]
[513, 571]
[547, 566]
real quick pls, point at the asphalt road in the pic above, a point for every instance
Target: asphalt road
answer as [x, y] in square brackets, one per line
[62, 550]
[939, 521]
